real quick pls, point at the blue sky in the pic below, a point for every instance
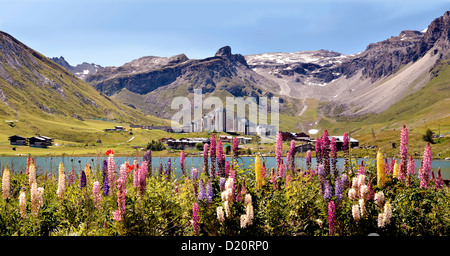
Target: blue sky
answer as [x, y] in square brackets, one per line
[113, 32]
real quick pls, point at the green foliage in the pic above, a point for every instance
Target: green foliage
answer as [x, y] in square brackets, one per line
[428, 136]
[155, 146]
[294, 208]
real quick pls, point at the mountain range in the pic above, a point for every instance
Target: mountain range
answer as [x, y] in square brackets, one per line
[317, 89]
[39, 96]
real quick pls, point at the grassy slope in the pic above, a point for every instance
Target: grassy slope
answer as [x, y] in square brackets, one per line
[427, 108]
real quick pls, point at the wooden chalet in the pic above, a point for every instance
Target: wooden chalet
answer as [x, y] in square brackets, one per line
[40, 141]
[18, 140]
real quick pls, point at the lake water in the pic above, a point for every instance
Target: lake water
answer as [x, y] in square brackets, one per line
[50, 164]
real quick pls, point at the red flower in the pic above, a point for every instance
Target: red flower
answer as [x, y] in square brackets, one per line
[129, 167]
[109, 152]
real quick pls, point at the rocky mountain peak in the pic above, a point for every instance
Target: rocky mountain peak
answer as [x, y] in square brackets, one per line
[224, 52]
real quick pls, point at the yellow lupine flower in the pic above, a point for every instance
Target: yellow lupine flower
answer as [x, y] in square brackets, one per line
[396, 169]
[61, 182]
[381, 177]
[87, 171]
[6, 182]
[258, 172]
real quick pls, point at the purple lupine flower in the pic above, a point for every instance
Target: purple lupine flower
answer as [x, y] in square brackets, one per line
[344, 180]
[212, 153]
[205, 158]
[148, 158]
[182, 162]
[339, 189]
[308, 159]
[325, 153]
[328, 193]
[195, 219]
[220, 159]
[209, 192]
[235, 147]
[426, 169]
[222, 184]
[82, 179]
[404, 154]
[201, 191]
[279, 149]
[194, 173]
[105, 178]
[331, 218]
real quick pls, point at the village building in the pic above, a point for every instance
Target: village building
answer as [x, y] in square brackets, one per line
[40, 141]
[18, 140]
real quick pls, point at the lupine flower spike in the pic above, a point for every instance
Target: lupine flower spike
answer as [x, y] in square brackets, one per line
[6, 182]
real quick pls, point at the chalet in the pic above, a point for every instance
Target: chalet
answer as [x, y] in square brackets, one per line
[226, 139]
[162, 128]
[116, 128]
[304, 147]
[18, 140]
[340, 142]
[40, 141]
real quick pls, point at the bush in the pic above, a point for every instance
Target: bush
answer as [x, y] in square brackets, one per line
[155, 146]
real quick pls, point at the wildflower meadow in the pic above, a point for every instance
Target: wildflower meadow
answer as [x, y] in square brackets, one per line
[383, 196]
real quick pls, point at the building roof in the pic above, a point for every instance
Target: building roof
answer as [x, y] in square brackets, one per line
[341, 138]
[16, 136]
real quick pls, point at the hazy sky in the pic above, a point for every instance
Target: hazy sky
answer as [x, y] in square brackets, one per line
[112, 32]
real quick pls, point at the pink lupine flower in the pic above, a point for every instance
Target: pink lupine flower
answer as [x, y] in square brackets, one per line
[426, 168]
[308, 159]
[319, 153]
[111, 172]
[331, 218]
[212, 152]
[403, 153]
[205, 158]
[279, 149]
[142, 178]
[182, 162]
[235, 147]
[411, 166]
[195, 219]
[333, 155]
[121, 193]
[439, 180]
[291, 162]
[345, 142]
[361, 169]
[220, 159]
[97, 194]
